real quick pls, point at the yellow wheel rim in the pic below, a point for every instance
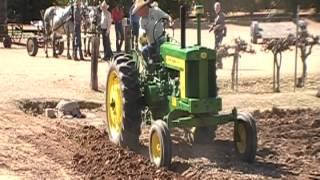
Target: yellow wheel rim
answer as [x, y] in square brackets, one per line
[241, 144]
[114, 105]
[155, 148]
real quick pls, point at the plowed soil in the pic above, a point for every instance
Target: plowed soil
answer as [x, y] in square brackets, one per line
[288, 147]
[100, 159]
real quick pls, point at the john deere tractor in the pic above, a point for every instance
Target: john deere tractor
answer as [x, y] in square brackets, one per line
[176, 88]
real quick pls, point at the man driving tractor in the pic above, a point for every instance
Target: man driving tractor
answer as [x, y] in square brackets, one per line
[150, 15]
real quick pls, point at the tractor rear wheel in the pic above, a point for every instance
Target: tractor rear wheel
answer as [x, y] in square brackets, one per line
[123, 114]
[160, 150]
[32, 46]
[245, 137]
[203, 135]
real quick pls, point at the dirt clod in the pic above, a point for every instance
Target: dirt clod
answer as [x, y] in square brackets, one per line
[318, 93]
[50, 113]
[316, 123]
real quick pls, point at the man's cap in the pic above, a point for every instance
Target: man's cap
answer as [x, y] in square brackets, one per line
[104, 5]
[140, 4]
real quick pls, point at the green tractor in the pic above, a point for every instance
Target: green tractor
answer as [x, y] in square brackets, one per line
[178, 90]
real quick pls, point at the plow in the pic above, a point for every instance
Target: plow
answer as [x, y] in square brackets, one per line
[174, 89]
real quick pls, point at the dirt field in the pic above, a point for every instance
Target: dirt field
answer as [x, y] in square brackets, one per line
[33, 147]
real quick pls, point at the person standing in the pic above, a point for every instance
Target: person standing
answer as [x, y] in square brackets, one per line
[77, 31]
[106, 22]
[135, 25]
[218, 27]
[117, 16]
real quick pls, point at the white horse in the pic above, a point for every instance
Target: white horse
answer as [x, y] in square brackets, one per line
[58, 21]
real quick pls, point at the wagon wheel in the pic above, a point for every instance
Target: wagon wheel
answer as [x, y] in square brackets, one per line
[245, 137]
[59, 47]
[123, 114]
[32, 46]
[7, 42]
[160, 150]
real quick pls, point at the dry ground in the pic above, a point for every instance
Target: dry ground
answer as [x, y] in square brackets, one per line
[34, 147]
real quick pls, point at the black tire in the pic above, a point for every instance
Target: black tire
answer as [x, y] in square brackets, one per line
[245, 137]
[160, 132]
[94, 63]
[59, 47]
[7, 42]
[32, 46]
[202, 135]
[127, 102]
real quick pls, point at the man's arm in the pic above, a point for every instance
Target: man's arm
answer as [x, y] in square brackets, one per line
[220, 23]
[162, 14]
[211, 27]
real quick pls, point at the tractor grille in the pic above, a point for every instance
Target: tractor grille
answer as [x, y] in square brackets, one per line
[212, 79]
[192, 79]
[193, 85]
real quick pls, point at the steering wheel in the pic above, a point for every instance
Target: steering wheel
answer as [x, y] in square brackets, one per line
[163, 21]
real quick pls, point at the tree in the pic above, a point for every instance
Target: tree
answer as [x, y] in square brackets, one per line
[277, 46]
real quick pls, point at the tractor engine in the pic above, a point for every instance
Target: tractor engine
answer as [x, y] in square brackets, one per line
[185, 79]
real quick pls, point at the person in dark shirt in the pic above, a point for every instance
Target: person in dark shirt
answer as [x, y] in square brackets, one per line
[77, 31]
[218, 27]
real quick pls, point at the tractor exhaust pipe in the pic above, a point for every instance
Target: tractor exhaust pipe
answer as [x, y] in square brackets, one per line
[183, 25]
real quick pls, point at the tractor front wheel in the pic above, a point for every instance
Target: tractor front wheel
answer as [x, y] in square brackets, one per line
[245, 137]
[123, 114]
[160, 150]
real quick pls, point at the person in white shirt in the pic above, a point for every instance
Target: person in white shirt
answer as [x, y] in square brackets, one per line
[149, 15]
[106, 22]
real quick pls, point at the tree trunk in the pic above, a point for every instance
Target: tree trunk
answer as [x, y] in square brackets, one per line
[233, 72]
[304, 56]
[276, 71]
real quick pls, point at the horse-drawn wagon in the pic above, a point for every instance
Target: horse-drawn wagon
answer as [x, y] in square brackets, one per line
[29, 35]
